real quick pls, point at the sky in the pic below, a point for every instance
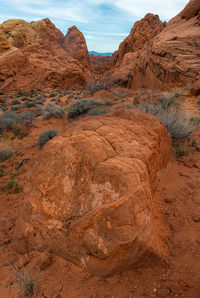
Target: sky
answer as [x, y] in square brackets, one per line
[104, 23]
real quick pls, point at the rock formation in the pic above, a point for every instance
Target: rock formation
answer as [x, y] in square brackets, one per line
[75, 46]
[142, 32]
[100, 64]
[170, 58]
[19, 33]
[89, 193]
[33, 56]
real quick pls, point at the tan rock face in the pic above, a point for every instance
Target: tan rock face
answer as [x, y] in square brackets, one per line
[75, 46]
[142, 32]
[170, 58]
[32, 57]
[89, 193]
[20, 33]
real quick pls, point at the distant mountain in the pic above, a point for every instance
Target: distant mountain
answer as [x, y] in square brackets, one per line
[101, 54]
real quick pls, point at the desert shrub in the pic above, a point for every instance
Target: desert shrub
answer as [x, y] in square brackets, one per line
[96, 112]
[52, 94]
[176, 123]
[53, 110]
[195, 121]
[25, 99]
[181, 149]
[30, 104]
[8, 119]
[28, 117]
[14, 108]
[46, 135]
[15, 102]
[5, 153]
[168, 99]
[23, 281]
[174, 120]
[81, 106]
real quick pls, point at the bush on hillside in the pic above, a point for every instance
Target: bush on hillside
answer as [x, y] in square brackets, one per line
[53, 110]
[174, 120]
[46, 135]
[5, 154]
[81, 106]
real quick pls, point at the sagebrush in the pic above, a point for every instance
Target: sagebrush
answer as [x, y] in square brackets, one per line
[46, 135]
[81, 106]
[53, 110]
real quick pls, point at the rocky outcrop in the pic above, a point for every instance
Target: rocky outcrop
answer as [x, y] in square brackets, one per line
[142, 32]
[170, 58]
[75, 45]
[32, 56]
[41, 67]
[191, 10]
[89, 193]
[100, 64]
[19, 33]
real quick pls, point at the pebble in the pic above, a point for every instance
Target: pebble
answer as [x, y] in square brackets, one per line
[162, 292]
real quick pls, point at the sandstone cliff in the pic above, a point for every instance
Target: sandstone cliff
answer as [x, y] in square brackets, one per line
[170, 58]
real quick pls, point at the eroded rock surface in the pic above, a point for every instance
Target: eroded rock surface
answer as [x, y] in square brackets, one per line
[89, 193]
[75, 45]
[36, 55]
[141, 33]
[170, 58]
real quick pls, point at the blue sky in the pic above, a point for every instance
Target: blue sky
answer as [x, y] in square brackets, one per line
[104, 23]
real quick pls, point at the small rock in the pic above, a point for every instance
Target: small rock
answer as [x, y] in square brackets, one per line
[169, 200]
[196, 218]
[44, 261]
[163, 292]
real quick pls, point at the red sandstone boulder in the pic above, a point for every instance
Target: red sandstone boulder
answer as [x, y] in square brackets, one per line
[88, 195]
[75, 45]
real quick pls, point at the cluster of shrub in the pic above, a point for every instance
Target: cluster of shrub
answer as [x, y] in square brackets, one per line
[166, 109]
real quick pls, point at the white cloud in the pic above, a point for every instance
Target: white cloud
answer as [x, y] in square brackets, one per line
[105, 23]
[165, 9]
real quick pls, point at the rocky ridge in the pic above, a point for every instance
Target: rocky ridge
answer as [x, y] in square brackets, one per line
[170, 58]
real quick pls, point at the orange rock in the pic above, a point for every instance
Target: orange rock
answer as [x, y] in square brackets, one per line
[75, 45]
[32, 57]
[169, 59]
[39, 67]
[142, 32]
[191, 10]
[100, 64]
[104, 95]
[89, 193]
